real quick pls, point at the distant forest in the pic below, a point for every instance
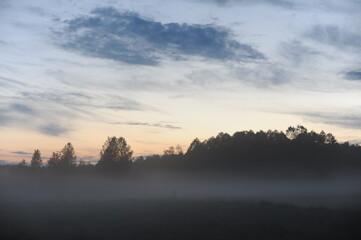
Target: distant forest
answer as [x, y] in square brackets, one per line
[295, 152]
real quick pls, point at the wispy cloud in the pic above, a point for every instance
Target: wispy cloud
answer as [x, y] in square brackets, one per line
[21, 153]
[341, 119]
[9, 82]
[13, 113]
[282, 3]
[266, 74]
[4, 119]
[54, 129]
[335, 36]
[21, 108]
[169, 126]
[297, 52]
[78, 99]
[353, 75]
[46, 120]
[4, 4]
[54, 112]
[324, 5]
[129, 38]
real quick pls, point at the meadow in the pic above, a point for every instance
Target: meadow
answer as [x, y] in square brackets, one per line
[175, 219]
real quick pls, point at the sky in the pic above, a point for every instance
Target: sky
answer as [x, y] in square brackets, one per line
[163, 72]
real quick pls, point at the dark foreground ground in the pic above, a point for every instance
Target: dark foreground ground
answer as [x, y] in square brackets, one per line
[175, 219]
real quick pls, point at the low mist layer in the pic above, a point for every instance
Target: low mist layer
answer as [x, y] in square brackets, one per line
[336, 192]
[298, 166]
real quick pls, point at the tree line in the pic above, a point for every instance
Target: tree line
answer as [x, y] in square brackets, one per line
[295, 151]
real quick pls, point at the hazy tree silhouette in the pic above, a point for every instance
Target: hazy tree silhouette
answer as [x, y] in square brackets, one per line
[115, 153]
[169, 151]
[54, 160]
[22, 164]
[64, 159]
[36, 159]
[83, 163]
[295, 152]
[173, 151]
[293, 132]
[179, 150]
[330, 139]
[67, 156]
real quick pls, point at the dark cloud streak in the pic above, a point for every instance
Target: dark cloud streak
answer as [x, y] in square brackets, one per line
[21, 108]
[346, 120]
[169, 126]
[21, 153]
[8, 82]
[54, 129]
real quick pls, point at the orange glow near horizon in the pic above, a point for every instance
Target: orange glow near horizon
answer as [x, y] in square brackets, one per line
[143, 140]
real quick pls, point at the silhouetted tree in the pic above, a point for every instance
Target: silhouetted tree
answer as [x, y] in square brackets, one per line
[178, 150]
[169, 151]
[54, 160]
[67, 156]
[36, 159]
[22, 163]
[194, 146]
[293, 132]
[330, 139]
[115, 153]
[295, 152]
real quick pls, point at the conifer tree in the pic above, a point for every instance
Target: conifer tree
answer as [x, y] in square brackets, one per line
[36, 159]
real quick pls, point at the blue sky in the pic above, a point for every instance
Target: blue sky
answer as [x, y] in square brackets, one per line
[161, 73]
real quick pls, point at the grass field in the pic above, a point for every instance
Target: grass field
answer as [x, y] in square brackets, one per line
[175, 219]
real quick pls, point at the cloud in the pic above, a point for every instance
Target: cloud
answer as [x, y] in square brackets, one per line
[297, 52]
[129, 38]
[4, 119]
[262, 75]
[54, 129]
[349, 6]
[9, 82]
[4, 4]
[353, 75]
[169, 126]
[335, 36]
[55, 112]
[346, 120]
[21, 153]
[21, 108]
[46, 119]
[77, 100]
[281, 3]
[15, 113]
